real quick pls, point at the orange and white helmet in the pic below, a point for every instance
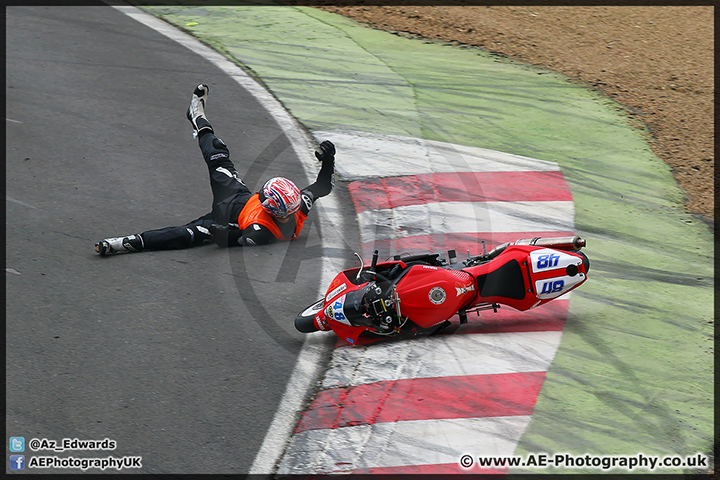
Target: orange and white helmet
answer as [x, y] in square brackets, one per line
[280, 197]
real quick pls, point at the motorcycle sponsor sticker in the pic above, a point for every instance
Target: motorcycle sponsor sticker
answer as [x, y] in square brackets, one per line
[322, 323]
[556, 286]
[335, 292]
[549, 259]
[335, 311]
[464, 290]
[437, 295]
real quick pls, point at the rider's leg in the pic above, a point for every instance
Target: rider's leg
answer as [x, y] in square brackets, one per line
[192, 234]
[113, 245]
[229, 191]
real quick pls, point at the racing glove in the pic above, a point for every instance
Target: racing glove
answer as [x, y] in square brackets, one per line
[326, 153]
[225, 235]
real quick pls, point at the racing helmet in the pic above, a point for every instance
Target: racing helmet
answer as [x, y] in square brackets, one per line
[280, 197]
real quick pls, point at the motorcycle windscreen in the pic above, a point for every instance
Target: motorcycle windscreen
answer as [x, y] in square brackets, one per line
[348, 309]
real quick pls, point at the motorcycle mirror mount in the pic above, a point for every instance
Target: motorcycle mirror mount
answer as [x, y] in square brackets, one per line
[362, 265]
[371, 270]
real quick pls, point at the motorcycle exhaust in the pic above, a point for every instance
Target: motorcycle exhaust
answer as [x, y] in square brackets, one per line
[574, 243]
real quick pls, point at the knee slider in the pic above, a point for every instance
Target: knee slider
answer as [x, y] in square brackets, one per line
[219, 144]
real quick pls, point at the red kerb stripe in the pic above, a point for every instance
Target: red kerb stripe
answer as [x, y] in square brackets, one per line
[394, 192]
[460, 242]
[469, 396]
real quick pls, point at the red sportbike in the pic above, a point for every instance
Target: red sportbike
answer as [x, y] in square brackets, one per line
[417, 295]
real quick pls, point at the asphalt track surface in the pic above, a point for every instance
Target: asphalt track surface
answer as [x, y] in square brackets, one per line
[181, 357]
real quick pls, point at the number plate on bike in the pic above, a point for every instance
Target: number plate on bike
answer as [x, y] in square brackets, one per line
[549, 259]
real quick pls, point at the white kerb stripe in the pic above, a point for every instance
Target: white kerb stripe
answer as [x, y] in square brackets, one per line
[369, 155]
[443, 356]
[421, 442]
[463, 217]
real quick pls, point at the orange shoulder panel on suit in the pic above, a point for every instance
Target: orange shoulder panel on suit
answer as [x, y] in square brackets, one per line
[254, 213]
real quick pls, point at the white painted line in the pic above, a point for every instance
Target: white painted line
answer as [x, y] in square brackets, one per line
[315, 347]
[422, 442]
[12, 270]
[463, 217]
[12, 121]
[10, 199]
[375, 155]
[443, 356]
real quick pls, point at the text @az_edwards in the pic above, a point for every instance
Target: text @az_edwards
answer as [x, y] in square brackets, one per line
[70, 444]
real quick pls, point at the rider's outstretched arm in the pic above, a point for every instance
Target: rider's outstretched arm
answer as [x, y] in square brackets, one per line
[326, 178]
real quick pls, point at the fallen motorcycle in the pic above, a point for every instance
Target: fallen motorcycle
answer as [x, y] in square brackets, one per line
[416, 295]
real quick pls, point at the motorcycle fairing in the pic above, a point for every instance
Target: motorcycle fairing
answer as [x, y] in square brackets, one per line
[553, 287]
[525, 277]
[430, 295]
[336, 311]
[335, 316]
[335, 291]
[343, 299]
[546, 259]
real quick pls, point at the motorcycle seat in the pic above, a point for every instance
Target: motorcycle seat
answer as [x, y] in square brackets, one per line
[506, 281]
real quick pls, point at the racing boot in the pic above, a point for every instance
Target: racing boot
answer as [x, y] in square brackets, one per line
[196, 110]
[129, 244]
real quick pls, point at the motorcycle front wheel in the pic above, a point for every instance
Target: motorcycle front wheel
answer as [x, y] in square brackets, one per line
[305, 321]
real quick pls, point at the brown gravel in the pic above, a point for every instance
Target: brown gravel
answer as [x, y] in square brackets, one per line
[655, 60]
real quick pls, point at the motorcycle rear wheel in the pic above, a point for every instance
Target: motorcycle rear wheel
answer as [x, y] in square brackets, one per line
[305, 321]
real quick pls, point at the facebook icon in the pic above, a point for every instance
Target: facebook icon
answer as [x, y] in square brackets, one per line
[17, 462]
